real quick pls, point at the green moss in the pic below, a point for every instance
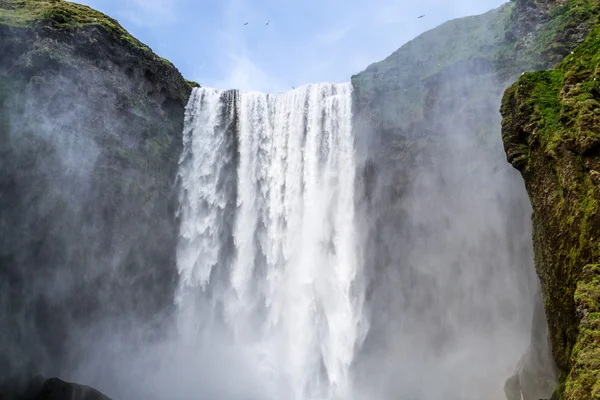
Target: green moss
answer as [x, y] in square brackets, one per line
[553, 116]
[569, 15]
[192, 84]
[583, 381]
[62, 15]
[166, 62]
[567, 97]
[543, 88]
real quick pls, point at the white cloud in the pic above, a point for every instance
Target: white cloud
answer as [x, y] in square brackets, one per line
[242, 73]
[332, 37]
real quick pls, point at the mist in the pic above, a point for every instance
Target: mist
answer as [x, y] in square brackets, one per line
[448, 251]
[264, 246]
[452, 283]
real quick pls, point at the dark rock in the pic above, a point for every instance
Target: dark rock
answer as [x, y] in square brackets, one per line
[51, 389]
[90, 127]
[533, 379]
[55, 389]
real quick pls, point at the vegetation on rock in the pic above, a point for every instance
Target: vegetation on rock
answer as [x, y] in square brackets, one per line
[584, 378]
[74, 19]
[394, 90]
[551, 132]
[518, 36]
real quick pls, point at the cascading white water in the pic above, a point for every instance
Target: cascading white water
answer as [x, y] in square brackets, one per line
[268, 245]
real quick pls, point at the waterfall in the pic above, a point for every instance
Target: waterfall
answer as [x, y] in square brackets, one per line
[268, 248]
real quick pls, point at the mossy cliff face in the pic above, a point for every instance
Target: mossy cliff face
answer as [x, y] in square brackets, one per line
[551, 133]
[90, 127]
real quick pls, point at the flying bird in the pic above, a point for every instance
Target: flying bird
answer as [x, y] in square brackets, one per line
[420, 16]
[246, 23]
[267, 23]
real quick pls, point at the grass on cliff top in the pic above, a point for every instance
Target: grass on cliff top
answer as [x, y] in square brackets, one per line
[62, 15]
[547, 46]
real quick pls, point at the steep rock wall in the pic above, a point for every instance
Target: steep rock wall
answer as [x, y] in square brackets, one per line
[90, 126]
[551, 134]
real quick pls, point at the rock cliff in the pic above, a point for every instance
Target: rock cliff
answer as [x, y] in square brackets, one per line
[551, 134]
[90, 125]
[433, 105]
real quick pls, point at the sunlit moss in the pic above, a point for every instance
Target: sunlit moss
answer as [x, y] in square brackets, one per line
[192, 84]
[68, 16]
[62, 14]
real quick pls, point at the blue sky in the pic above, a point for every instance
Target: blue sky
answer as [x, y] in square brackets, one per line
[305, 41]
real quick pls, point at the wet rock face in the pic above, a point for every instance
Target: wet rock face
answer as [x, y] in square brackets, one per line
[90, 127]
[51, 389]
[533, 380]
[550, 131]
[55, 389]
[530, 13]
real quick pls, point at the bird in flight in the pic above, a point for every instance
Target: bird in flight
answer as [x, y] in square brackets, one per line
[267, 23]
[420, 16]
[246, 23]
